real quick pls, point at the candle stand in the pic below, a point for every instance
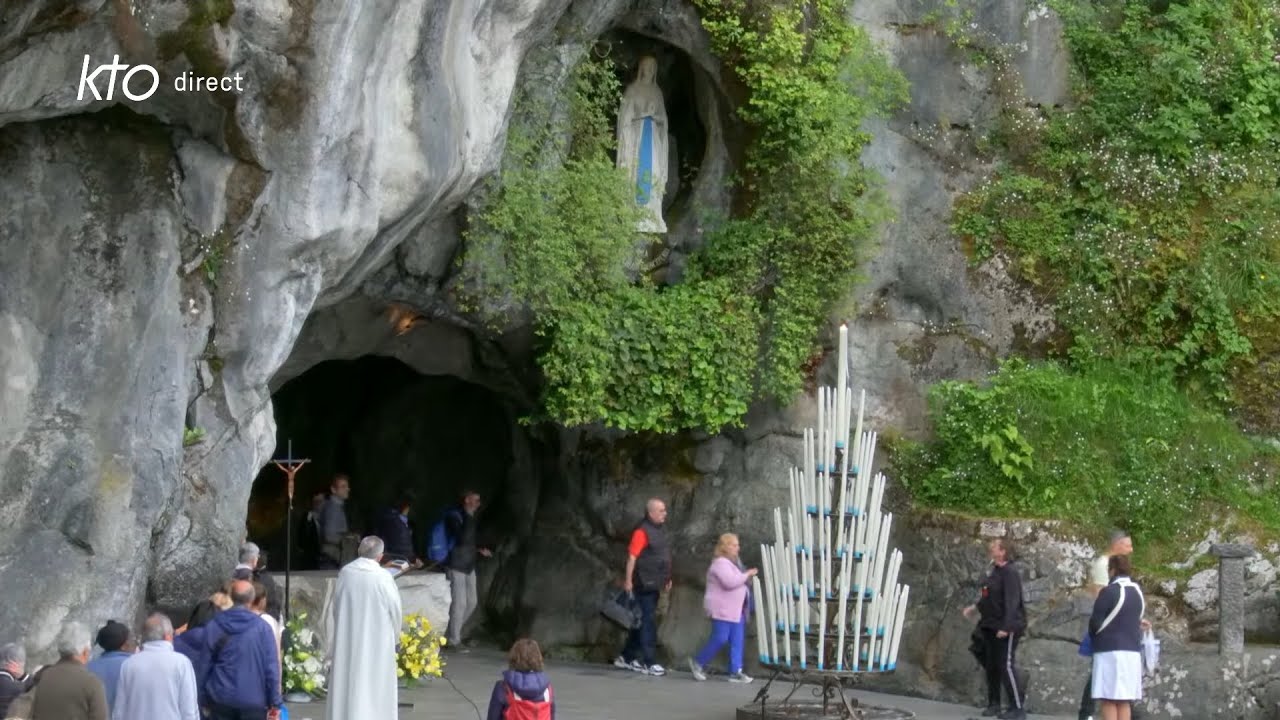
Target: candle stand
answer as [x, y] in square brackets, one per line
[829, 608]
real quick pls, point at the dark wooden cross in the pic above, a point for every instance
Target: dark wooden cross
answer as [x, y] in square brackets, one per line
[290, 467]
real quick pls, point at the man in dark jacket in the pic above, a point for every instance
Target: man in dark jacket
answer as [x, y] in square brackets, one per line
[461, 563]
[648, 574]
[396, 531]
[240, 670]
[253, 566]
[333, 523]
[307, 556]
[14, 679]
[1002, 619]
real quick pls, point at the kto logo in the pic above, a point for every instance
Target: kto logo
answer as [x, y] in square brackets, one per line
[90, 80]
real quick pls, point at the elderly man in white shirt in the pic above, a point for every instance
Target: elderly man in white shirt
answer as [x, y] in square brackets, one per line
[157, 683]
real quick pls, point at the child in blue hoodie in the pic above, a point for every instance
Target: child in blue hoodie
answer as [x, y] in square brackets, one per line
[523, 693]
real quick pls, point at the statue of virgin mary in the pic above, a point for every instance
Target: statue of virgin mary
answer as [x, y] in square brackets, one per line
[642, 143]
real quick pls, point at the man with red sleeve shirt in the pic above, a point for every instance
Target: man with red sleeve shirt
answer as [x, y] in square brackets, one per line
[648, 574]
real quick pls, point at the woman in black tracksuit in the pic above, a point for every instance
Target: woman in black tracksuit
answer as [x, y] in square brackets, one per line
[1001, 620]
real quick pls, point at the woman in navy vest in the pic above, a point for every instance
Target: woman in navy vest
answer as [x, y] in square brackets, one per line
[1115, 631]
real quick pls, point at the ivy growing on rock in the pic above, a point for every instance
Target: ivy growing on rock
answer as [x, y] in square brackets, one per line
[1151, 212]
[556, 232]
[1148, 213]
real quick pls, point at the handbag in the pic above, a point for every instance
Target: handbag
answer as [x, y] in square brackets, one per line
[1150, 651]
[621, 609]
[978, 647]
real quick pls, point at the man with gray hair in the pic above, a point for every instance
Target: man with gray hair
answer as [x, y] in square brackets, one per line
[67, 690]
[156, 683]
[252, 568]
[14, 679]
[648, 574]
[363, 627]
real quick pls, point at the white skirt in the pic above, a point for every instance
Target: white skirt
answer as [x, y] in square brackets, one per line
[1117, 675]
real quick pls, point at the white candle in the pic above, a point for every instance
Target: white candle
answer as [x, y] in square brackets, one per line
[842, 375]
[763, 628]
[769, 599]
[899, 621]
[841, 507]
[841, 616]
[786, 605]
[857, 433]
[822, 625]
[804, 629]
[886, 626]
[793, 542]
[777, 528]
[860, 590]
[810, 451]
[827, 556]
[822, 422]
[795, 498]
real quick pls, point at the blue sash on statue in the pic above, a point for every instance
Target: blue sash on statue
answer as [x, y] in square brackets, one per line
[644, 168]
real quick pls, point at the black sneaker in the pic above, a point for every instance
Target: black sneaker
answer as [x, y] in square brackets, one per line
[991, 711]
[1013, 714]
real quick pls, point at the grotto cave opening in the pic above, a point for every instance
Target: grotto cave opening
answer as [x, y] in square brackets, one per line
[391, 429]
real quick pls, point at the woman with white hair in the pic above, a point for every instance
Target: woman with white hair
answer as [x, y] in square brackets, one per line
[726, 603]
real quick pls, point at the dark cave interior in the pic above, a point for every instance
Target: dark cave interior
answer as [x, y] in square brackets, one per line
[391, 430]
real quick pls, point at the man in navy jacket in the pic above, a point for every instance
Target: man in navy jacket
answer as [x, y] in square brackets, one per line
[241, 673]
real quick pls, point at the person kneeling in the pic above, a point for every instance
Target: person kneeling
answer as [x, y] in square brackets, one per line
[523, 693]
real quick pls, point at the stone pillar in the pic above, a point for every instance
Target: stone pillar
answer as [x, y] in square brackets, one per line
[1231, 557]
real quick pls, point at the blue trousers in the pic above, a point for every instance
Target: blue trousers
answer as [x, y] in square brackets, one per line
[723, 631]
[643, 641]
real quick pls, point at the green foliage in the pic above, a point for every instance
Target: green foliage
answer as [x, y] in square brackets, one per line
[812, 79]
[559, 236]
[641, 359]
[213, 251]
[191, 436]
[556, 232]
[1150, 213]
[1112, 446]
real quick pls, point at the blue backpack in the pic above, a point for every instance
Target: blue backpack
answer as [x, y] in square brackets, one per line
[440, 543]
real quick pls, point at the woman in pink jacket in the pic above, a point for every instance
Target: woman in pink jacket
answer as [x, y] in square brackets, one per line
[726, 603]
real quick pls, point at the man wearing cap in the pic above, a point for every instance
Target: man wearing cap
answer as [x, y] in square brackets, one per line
[113, 638]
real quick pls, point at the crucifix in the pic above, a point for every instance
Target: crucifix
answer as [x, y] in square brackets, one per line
[290, 467]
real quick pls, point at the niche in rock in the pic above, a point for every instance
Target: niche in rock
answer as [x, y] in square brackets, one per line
[678, 79]
[390, 429]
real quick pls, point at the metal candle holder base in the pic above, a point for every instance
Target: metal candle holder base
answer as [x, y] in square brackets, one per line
[827, 698]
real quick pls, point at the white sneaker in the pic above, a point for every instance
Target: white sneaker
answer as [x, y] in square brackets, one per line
[621, 664]
[637, 666]
[656, 670]
[740, 677]
[697, 671]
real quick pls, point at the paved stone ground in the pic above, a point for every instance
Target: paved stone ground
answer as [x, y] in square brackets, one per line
[600, 692]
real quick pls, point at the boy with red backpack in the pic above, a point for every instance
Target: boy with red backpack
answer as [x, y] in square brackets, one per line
[523, 693]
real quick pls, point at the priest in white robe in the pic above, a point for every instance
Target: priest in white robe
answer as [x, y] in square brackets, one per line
[363, 628]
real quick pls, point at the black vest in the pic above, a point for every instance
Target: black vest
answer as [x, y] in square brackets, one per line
[653, 567]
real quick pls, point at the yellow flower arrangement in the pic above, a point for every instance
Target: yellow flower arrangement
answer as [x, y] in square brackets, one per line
[419, 654]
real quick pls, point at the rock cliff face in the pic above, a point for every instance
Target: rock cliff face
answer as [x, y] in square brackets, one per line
[160, 260]
[171, 262]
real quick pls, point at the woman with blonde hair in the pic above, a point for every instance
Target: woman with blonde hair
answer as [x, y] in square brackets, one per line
[726, 603]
